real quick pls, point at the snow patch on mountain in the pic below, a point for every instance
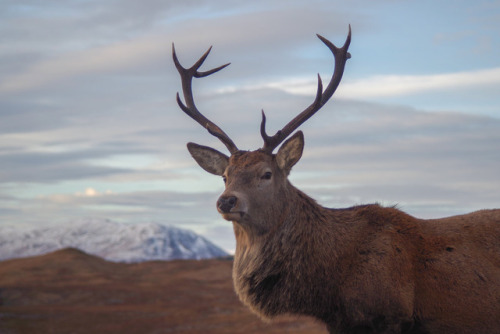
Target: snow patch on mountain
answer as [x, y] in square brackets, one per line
[110, 240]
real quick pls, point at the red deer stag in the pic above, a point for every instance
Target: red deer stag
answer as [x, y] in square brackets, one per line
[364, 269]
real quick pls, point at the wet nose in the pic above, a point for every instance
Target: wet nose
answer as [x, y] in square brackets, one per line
[226, 203]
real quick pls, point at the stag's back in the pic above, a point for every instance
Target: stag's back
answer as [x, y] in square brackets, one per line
[458, 272]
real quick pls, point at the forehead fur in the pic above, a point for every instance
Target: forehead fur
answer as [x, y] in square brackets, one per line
[246, 159]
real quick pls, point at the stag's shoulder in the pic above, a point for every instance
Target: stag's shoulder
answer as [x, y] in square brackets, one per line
[369, 223]
[377, 216]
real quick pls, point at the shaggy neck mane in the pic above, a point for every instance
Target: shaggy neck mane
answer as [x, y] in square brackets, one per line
[262, 274]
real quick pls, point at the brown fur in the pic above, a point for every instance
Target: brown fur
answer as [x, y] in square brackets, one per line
[365, 269]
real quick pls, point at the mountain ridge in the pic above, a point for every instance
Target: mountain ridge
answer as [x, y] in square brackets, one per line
[109, 240]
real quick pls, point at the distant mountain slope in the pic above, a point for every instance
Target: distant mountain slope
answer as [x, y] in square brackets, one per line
[109, 240]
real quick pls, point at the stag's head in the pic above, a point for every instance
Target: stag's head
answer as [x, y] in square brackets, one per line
[256, 184]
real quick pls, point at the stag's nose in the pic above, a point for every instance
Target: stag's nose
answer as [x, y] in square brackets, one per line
[226, 203]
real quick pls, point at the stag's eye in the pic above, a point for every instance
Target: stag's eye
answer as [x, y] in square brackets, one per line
[266, 176]
[224, 179]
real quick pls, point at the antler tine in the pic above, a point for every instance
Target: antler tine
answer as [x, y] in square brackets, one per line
[187, 75]
[341, 56]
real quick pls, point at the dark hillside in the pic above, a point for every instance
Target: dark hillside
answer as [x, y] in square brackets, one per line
[69, 291]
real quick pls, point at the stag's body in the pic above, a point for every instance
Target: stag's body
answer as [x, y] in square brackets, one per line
[365, 269]
[370, 269]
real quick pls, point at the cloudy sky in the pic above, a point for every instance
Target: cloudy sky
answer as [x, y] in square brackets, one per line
[89, 126]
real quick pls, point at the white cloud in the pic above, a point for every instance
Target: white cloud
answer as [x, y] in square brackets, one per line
[396, 85]
[384, 85]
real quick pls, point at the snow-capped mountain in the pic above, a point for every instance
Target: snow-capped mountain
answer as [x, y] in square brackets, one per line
[109, 240]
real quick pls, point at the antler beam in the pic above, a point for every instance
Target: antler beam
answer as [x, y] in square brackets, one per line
[341, 56]
[187, 75]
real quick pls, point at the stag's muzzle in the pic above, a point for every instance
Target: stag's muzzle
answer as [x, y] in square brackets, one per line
[226, 203]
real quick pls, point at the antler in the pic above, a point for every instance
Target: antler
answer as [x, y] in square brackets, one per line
[187, 75]
[341, 55]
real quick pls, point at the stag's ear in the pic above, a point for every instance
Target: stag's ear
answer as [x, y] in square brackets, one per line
[209, 159]
[290, 152]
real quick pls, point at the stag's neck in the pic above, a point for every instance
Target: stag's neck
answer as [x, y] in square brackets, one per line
[306, 236]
